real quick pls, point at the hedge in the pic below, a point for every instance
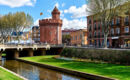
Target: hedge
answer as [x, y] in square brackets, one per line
[106, 55]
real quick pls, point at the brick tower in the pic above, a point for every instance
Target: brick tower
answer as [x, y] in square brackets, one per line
[50, 29]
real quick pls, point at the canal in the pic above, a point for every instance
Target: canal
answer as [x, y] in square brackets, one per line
[33, 72]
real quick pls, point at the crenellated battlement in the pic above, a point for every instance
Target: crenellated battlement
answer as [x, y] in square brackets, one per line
[50, 21]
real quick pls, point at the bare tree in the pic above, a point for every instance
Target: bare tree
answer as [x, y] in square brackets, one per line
[104, 11]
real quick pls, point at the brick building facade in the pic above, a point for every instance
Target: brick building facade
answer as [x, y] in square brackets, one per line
[119, 32]
[50, 29]
[66, 37]
[79, 37]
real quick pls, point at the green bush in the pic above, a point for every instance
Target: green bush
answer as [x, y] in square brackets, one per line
[110, 56]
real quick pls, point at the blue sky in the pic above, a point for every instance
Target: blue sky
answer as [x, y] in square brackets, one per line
[73, 12]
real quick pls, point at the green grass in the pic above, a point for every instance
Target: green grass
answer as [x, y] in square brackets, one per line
[5, 75]
[120, 72]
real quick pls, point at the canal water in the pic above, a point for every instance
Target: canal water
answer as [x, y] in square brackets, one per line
[32, 72]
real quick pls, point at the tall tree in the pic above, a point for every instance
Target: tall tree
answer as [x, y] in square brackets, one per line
[14, 22]
[66, 39]
[104, 11]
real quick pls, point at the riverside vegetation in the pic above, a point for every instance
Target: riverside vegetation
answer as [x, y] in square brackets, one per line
[103, 55]
[117, 71]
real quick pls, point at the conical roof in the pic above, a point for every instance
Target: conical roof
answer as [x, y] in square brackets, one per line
[55, 10]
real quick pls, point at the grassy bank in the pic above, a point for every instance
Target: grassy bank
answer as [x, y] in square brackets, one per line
[5, 75]
[110, 70]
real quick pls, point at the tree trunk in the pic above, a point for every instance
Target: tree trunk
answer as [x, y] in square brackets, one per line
[105, 41]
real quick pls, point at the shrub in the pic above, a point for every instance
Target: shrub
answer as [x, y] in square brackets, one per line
[110, 56]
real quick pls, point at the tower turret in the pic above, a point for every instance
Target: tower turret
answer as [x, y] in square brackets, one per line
[55, 13]
[50, 29]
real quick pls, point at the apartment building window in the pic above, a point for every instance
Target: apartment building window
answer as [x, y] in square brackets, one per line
[95, 42]
[95, 26]
[112, 31]
[90, 21]
[71, 38]
[39, 32]
[126, 29]
[98, 33]
[90, 28]
[90, 35]
[75, 37]
[95, 33]
[80, 36]
[117, 30]
[126, 19]
[117, 20]
[112, 22]
[39, 35]
[90, 42]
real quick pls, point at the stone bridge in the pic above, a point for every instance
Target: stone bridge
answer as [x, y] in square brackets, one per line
[16, 51]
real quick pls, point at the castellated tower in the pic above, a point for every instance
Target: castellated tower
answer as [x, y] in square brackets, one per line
[50, 29]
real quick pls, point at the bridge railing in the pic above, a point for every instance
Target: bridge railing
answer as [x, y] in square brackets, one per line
[30, 45]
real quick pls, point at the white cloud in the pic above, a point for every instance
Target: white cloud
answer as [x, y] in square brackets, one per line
[63, 4]
[77, 12]
[17, 3]
[75, 23]
[57, 5]
[61, 14]
[36, 23]
[49, 11]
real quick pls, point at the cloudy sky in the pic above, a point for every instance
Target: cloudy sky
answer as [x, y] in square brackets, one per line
[73, 12]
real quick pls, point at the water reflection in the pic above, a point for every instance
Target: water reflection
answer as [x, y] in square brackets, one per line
[32, 72]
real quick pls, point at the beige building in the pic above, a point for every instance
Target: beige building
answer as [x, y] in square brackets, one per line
[79, 37]
[36, 34]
